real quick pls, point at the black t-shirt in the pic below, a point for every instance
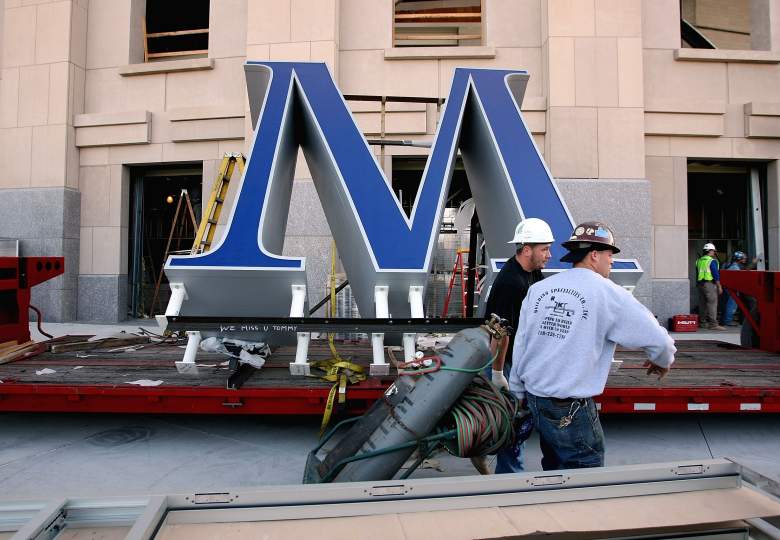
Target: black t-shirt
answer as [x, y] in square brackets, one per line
[507, 295]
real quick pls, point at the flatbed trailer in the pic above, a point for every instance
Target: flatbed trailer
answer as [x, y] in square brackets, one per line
[708, 377]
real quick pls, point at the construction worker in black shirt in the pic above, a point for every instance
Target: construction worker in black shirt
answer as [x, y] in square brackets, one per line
[532, 238]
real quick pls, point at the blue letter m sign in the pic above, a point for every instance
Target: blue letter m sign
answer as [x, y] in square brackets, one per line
[298, 105]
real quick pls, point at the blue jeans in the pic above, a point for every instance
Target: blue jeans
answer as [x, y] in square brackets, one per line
[729, 309]
[576, 446]
[509, 459]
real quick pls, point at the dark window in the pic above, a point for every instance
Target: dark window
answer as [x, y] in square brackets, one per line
[176, 28]
[407, 176]
[437, 23]
[716, 24]
[160, 225]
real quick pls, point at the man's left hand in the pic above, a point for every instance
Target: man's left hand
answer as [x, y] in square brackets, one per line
[654, 369]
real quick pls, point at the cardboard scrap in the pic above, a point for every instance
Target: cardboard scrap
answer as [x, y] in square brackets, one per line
[145, 382]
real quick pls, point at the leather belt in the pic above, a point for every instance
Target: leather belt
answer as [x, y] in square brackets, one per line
[566, 401]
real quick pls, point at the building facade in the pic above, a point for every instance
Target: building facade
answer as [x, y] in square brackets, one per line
[659, 117]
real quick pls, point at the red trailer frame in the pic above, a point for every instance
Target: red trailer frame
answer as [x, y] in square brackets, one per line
[764, 287]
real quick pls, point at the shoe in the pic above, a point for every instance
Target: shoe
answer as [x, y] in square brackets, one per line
[717, 327]
[481, 464]
[733, 323]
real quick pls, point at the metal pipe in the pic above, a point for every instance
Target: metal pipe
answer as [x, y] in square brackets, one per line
[325, 300]
[399, 142]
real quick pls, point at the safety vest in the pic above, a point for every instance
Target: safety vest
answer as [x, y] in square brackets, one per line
[703, 271]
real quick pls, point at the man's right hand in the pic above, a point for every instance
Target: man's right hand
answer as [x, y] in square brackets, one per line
[654, 369]
[499, 380]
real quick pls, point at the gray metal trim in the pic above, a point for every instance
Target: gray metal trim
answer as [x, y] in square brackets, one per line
[482, 485]
[40, 521]
[358, 507]
[765, 527]
[108, 512]
[706, 534]
[13, 515]
[149, 521]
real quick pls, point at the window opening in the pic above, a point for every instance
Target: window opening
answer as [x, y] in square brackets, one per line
[716, 24]
[176, 29]
[437, 23]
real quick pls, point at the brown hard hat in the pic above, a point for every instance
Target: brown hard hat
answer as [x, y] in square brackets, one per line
[591, 235]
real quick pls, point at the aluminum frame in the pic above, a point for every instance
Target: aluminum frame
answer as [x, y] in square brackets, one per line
[146, 515]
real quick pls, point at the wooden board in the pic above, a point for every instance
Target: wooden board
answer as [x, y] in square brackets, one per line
[157, 362]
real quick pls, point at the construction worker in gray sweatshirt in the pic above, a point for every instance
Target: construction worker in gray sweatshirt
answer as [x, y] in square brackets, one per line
[570, 324]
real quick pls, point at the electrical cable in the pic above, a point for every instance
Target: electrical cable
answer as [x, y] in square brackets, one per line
[40, 319]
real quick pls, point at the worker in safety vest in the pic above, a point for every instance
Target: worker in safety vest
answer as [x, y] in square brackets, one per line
[708, 283]
[570, 324]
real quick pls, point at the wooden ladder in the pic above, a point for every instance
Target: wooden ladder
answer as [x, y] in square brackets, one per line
[208, 224]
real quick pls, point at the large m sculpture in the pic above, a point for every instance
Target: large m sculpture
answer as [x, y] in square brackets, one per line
[386, 254]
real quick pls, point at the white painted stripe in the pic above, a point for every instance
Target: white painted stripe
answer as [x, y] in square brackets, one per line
[749, 406]
[698, 406]
[644, 406]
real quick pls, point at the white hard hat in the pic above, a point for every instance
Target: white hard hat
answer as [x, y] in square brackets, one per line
[709, 246]
[532, 231]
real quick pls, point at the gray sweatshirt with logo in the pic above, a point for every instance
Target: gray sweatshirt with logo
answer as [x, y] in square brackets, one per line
[570, 324]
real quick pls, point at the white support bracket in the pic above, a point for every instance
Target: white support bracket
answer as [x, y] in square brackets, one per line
[178, 296]
[380, 367]
[301, 364]
[416, 309]
[188, 365]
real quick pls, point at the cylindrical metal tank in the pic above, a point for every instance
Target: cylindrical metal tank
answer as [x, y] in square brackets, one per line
[429, 398]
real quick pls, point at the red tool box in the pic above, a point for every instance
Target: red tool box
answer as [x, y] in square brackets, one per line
[684, 323]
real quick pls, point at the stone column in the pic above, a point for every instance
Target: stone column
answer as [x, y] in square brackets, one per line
[765, 23]
[592, 50]
[43, 57]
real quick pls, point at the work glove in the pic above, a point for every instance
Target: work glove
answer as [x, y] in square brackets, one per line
[499, 379]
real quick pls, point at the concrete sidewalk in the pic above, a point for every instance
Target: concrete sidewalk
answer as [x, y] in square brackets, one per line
[48, 455]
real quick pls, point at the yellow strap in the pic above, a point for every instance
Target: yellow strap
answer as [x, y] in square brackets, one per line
[337, 370]
[328, 409]
[340, 372]
[343, 389]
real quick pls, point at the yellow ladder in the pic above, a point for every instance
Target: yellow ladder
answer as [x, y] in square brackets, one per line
[208, 224]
